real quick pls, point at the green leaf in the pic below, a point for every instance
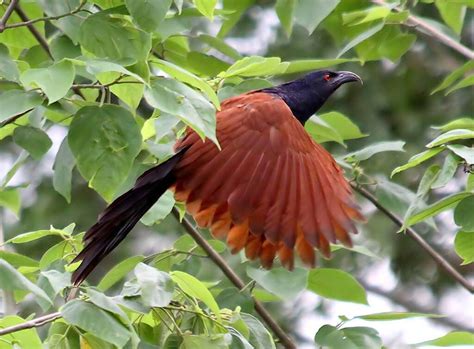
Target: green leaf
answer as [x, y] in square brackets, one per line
[106, 303]
[450, 136]
[156, 286]
[364, 16]
[35, 235]
[436, 208]
[451, 339]
[8, 68]
[148, 14]
[220, 46]
[464, 246]
[114, 38]
[188, 78]
[96, 321]
[304, 65]
[336, 284]
[21, 37]
[173, 97]
[118, 272]
[214, 341]
[96, 67]
[27, 338]
[255, 66]
[448, 171]
[11, 199]
[55, 80]
[105, 141]
[206, 7]
[453, 76]
[463, 214]
[63, 166]
[70, 24]
[371, 150]
[309, 13]
[389, 316]
[464, 123]
[467, 153]
[15, 102]
[34, 140]
[452, 14]
[417, 159]
[259, 337]
[195, 288]
[272, 280]
[361, 37]
[321, 131]
[466, 82]
[160, 209]
[343, 125]
[11, 280]
[284, 10]
[331, 337]
[17, 260]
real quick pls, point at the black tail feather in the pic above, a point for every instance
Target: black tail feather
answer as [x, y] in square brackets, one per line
[122, 215]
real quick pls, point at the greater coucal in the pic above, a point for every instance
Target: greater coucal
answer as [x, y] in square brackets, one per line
[270, 189]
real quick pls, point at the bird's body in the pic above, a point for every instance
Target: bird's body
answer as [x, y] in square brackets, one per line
[270, 189]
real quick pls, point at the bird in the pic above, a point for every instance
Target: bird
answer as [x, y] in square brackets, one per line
[268, 188]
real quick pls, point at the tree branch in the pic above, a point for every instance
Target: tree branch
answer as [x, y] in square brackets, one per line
[427, 28]
[236, 280]
[40, 321]
[13, 118]
[442, 262]
[7, 14]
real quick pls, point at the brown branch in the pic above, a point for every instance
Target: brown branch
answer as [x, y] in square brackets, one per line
[7, 14]
[13, 118]
[43, 19]
[285, 340]
[101, 86]
[442, 262]
[40, 321]
[424, 27]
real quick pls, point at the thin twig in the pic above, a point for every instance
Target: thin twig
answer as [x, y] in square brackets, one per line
[442, 262]
[40, 321]
[44, 19]
[101, 86]
[7, 14]
[424, 27]
[285, 340]
[13, 118]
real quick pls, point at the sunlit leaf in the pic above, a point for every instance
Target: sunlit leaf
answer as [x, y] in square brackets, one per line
[389, 316]
[450, 136]
[371, 150]
[118, 272]
[417, 159]
[463, 214]
[148, 14]
[453, 338]
[309, 13]
[348, 338]
[271, 280]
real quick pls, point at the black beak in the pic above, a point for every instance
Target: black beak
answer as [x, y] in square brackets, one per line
[346, 76]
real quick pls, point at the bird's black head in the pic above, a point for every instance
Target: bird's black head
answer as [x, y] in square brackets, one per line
[306, 95]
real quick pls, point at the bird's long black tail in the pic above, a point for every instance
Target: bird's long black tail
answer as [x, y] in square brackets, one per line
[121, 216]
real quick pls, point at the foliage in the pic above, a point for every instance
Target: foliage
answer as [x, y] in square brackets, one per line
[122, 79]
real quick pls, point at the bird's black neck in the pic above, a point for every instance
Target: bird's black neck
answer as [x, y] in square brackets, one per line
[303, 100]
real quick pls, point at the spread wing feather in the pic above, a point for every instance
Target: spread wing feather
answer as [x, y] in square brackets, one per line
[270, 189]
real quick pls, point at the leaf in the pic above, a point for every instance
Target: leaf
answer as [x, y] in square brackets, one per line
[343, 125]
[105, 141]
[26, 338]
[304, 65]
[220, 45]
[35, 235]
[255, 66]
[11, 199]
[467, 153]
[450, 136]
[371, 150]
[417, 159]
[453, 76]
[452, 14]
[466, 82]
[336, 284]
[189, 78]
[464, 246]
[8, 68]
[451, 339]
[156, 286]
[210, 341]
[321, 131]
[15, 102]
[284, 10]
[96, 321]
[364, 16]
[436, 208]
[17, 260]
[206, 7]
[55, 80]
[34, 140]
[148, 14]
[463, 214]
[11, 280]
[159, 210]
[259, 337]
[331, 337]
[464, 123]
[118, 272]
[195, 288]
[310, 13]
[448, 171]
[106, 303]
[114, 38]
[361, 37]
[272, 280]
[96, 67]
[173, 97]
[63, 166]
[389, 316]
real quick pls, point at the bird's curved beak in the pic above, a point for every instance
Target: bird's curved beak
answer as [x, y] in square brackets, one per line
[346, 76]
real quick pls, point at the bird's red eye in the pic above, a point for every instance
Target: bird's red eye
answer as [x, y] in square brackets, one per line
[327, 77]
